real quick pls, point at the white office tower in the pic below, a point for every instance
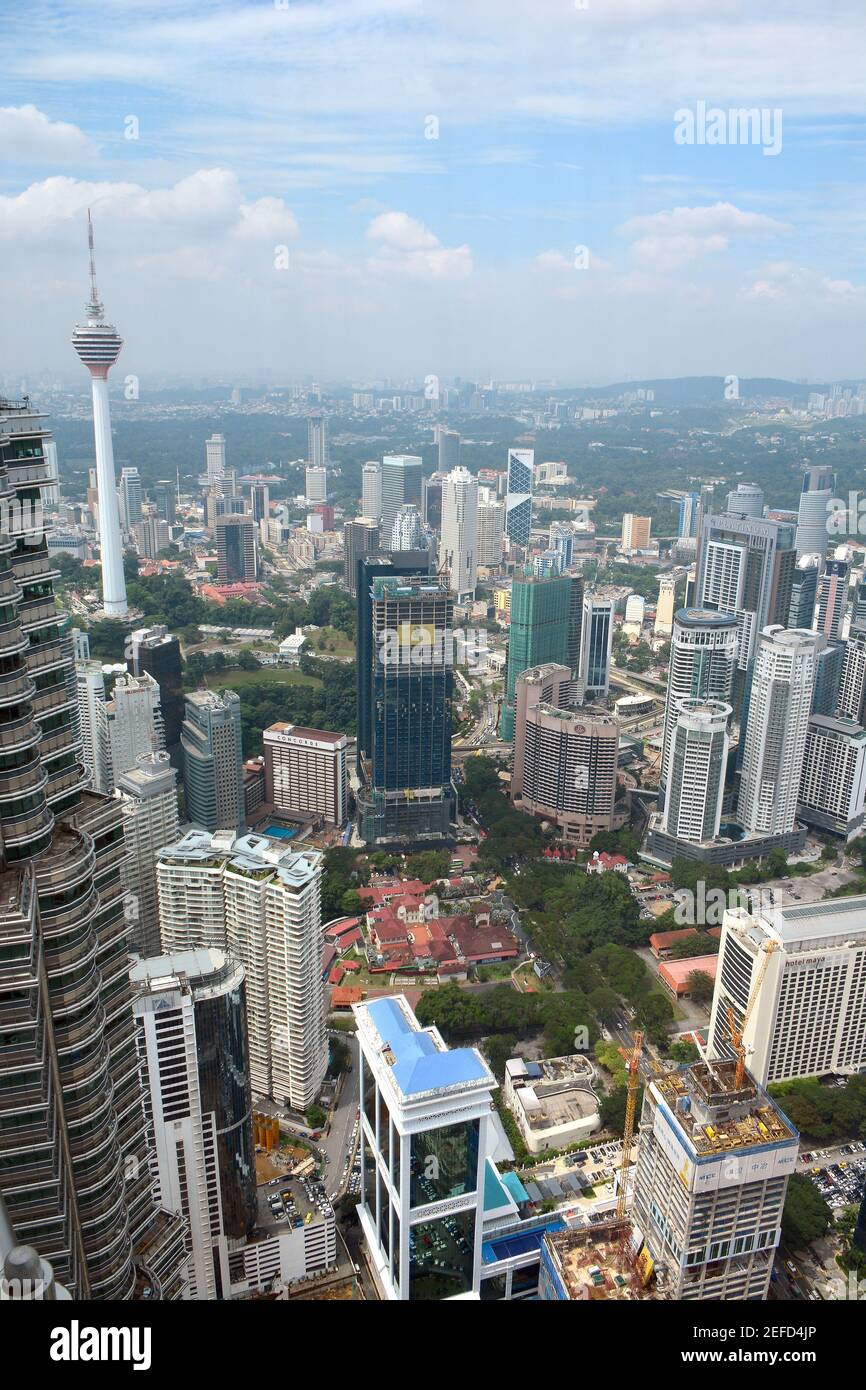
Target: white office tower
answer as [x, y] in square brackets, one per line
[371, 490]
[852, 691]
[449, 448]
[191, 1011]
[819, 484]
[407, 532]
[401, 487]
[316, 484]
[317, 443]
[261, 902]
[130, 497]
[135, 722]
[491, 527]
[703, 658]
[779, 708]
[148, 799]
[746, 500]
[698, 759]
[833, 781]
[458, 550]
[215, 454]
[712, 1171]
[93, 722]
[98, 345]
[806, 968]
[518, 497]
[832, 597]
[425, 1137]
[663, 625]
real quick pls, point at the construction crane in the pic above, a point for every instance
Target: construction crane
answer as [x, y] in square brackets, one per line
[736, 1029]
[632, 1067]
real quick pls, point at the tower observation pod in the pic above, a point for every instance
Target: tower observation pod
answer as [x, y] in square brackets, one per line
[98, 345]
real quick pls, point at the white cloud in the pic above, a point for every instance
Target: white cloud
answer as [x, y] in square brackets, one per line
[267, 219]
[664, 241]
[406, 246]
[28, 136]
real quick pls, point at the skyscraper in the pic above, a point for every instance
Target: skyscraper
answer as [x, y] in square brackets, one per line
[819, 484]
[596, 641]
[93, 724]
[135, 723]
[698, 759]
[369, 567]
[565, 760]
[407, 533]
[449, 449]
[804, 592]
[305, 770]
[130, 497]
[775, 743]
[165, 500]
[663, 625]
[371, 490]
[98, 345]
[401, 486]
[259, 501]
[359, 537]
[425, 1122]
[491, 528]
[636, 531]
[431, 500]
[538, 633]
[518, 497]
[316, 483]
[213, 760]
[459, 548]
[156, 651]
[832, 597]
[852, 691]
[712, 1172]
[215, 454]
[261, 902]
[148, 800]
[407, 676]
[317, 442]
[74, 1140]
[236, 548]
[703, 658]
[833, 780]
[192, 1009]
[746, 499]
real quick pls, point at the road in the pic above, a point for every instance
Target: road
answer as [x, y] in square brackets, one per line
[335, 1142]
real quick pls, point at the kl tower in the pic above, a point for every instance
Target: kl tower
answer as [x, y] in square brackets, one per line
[98, 345]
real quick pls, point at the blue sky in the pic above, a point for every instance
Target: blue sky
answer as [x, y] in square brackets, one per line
[282, 209]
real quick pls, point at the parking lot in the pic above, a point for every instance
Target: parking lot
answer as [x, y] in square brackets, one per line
[842, 1183]
[296, 1201]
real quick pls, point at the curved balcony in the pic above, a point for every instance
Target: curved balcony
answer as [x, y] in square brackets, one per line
[19, 735]
[16, 687]
[53, 699]
[71, 859]
[15, 781]
[38, 612]
[24, 834]
[47, 655]
[67, 781]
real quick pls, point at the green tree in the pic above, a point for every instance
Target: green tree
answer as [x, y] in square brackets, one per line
[315, 1116]
[806, 1216]
[700, 986]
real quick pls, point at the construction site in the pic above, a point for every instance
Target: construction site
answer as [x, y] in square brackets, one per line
[595, 1262]
[720, 1108]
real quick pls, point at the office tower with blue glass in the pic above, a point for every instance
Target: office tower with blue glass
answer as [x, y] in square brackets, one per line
[406, 691]
[425, 1116]
[541, 629]
[518, 498]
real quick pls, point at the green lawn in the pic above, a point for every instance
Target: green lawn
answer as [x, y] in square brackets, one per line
[330, 641]
[266, 675]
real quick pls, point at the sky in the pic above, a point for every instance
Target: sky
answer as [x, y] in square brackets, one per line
[500, 189]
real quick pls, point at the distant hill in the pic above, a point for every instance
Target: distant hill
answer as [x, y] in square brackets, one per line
[701, 390]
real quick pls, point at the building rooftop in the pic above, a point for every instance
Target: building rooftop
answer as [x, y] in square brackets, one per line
[713, 1118]
[253, 854]
[418, 1058]
[796, 927]
[592, 1264]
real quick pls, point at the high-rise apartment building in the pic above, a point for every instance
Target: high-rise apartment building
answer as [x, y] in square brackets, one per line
[819, 484]
[779, 709]
[832, 597]
[371, 490]
[156, 652]
[148, 800]
[151, 536]
[491, 528]
[458, 552]
[688, 515]
[212, 739]
[703, 659]
[73, 1139]
[261, 902]
[833, 780]
[809, 1011]
[401, 487]
[852, 690]
[165, 500]
[665, 605]
[518, 497]
[712, 1171]
[539, 632]
[93, 724]
[260, 500]
[130, 497]
[698, 758]
[636, 531]
[407, 532]
[236, 548]
[215, 457]
[359, 537]
[565, 761]
[406, 687]
[135, 724]
[829, 664]
[191, 1008]
[431, 500]
[305, 770]
[425, 1122]
[804, 592]
[98, 345]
